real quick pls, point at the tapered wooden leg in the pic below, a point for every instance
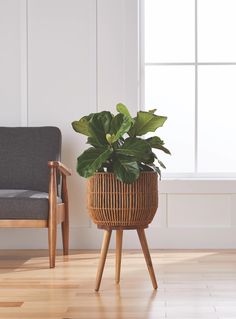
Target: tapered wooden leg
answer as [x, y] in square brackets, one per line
[65, 238]
[65, 224]
[147, 256]
[52, 240]
[52, 221]
[119, 235]
[103, 255]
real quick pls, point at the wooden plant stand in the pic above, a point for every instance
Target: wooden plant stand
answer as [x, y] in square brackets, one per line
[119, 236]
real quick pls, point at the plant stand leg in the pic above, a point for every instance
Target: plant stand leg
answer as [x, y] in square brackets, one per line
[119, 236]
[147, 256]
[103, 255]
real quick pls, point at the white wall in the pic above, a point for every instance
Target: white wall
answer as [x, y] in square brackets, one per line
[60, 60]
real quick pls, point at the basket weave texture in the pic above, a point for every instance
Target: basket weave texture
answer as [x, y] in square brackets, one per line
[113, 203]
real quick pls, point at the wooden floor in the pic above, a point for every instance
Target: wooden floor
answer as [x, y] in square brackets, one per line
[192, 284]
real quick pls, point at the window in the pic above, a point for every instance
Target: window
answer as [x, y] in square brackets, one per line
[190, 76]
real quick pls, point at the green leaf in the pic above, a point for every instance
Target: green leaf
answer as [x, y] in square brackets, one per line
[95, 126]
[120, 125]
[91, 160]
[102, 121]
[146, 122]
[121, 108]
[152, 111]
[109, 138]
[154, 141]
[161, 164]
[157, 143]
[82, 126]
[149, 160]
[95, 143]
[125, 169]
[100, 124]
[139, 149]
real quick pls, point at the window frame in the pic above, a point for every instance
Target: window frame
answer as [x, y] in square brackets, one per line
[195, 175]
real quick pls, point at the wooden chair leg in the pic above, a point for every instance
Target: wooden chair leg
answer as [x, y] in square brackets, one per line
[103, 255]
[65, 224]
[147, 256]
[52, 240]
[119, 235]
[52, 221]
[65, 236]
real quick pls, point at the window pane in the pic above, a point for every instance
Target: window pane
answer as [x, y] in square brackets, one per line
[217, 113]
[217, 30]
[170, 89]
[169, 30]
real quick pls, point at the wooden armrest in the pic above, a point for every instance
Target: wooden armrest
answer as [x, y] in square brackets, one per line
[61, 167]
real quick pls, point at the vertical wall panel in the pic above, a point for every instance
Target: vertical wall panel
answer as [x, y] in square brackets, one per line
[10, 57]
[233, 209]
[117, 53]
[62, 78]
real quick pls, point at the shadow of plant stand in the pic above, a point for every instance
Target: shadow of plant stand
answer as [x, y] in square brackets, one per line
[119, 236]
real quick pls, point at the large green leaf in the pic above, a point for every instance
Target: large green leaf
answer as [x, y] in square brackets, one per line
[121, 108]
[82, 126]
[102, 121]
[120, 125]
[146, 122]
[125, 169]
[100, 124]
[157, 143]
[91, 160]
[137, 148]
[95, 142]
[95, 126]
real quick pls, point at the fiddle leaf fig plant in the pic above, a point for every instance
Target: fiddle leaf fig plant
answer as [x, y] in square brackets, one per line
[118, 143]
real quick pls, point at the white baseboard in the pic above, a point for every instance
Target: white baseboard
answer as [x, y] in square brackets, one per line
[91, 238]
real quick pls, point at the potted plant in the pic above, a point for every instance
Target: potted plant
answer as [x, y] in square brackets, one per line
[121, 166]
[122, 170]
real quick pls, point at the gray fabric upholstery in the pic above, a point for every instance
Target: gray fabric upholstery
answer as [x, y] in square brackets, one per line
[24, 154]
[23, 204]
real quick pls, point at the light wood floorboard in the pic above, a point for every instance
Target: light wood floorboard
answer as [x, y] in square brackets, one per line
[191, 284]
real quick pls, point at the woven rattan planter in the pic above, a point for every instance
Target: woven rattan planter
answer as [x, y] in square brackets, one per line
[113, 203]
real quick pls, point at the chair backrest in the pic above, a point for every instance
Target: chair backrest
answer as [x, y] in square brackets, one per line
[24, 156]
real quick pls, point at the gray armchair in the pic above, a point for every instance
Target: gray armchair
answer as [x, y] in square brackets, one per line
[33, 191]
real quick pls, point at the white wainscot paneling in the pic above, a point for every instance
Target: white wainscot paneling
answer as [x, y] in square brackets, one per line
[159, 219]
[199, 210]
[10, 59]
[233, 210]
[62, 79]
[117, 45]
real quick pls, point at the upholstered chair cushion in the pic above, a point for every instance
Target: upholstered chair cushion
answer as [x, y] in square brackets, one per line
[23, 204]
